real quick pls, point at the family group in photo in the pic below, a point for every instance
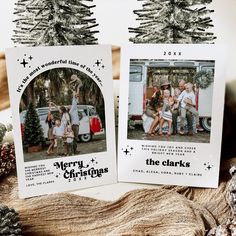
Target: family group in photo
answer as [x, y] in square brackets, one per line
[164, 107]
[63, 132]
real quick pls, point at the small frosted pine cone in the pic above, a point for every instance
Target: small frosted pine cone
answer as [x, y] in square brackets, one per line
[9, 222]
[7, 159]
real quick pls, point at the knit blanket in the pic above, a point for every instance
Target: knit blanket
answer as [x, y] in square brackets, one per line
[167, 210]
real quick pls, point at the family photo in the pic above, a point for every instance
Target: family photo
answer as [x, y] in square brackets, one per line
[62, 114]
[170, 100]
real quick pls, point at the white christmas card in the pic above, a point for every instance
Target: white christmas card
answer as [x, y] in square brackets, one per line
[171, 114]
[63, 117]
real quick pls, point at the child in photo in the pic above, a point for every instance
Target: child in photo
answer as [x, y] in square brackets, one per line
[177, 93]
[75, 84]
[58, 132]
[69, 134]
[187, 102]
[166, 114]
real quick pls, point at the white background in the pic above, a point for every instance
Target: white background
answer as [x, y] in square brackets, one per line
[115, 16]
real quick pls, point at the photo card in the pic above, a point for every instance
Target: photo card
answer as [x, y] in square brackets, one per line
[171, 114]
[63, 117]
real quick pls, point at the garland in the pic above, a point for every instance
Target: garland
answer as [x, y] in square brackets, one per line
[203, 79]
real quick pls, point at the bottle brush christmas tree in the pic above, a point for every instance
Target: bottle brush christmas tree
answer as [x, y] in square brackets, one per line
[54, 22]
[173, 21]
[33, 133]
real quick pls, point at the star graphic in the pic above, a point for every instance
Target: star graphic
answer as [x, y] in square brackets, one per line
[57, 175]
[24, 63]
[30, 57]
[209, 167]
[98, 63]
[126, 151]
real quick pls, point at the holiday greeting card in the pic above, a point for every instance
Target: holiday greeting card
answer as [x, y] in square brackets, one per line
[171, 114]
[63, 117]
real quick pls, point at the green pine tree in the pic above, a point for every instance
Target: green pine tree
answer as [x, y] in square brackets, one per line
[173, 21]
[33, 132]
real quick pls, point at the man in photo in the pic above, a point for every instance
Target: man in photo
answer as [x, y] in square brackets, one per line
[176, 113]
[188, 103]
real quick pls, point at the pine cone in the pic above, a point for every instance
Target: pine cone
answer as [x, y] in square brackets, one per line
[9, 222]
[7, 159]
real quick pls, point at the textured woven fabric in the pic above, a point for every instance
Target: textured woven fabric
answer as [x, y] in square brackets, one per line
[163, 211]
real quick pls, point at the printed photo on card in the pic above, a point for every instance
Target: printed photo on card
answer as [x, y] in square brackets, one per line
[63, 117]
[171, 114]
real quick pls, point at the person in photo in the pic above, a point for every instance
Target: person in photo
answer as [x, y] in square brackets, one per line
[165, 85]
[69, 134]
[176, 113]
[58, 132]
[75, 122]
[187, 101]
[51, 123]
[65, 121]
[166, 114]
[65, 117]
[177, 93]
[153, 109]
[75, 84]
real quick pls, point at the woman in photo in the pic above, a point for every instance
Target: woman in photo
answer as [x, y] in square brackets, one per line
[51, 123]
[65, 117]
[65, 121]
[153, 110]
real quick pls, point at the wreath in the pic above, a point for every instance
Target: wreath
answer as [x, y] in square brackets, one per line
[203, 79]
